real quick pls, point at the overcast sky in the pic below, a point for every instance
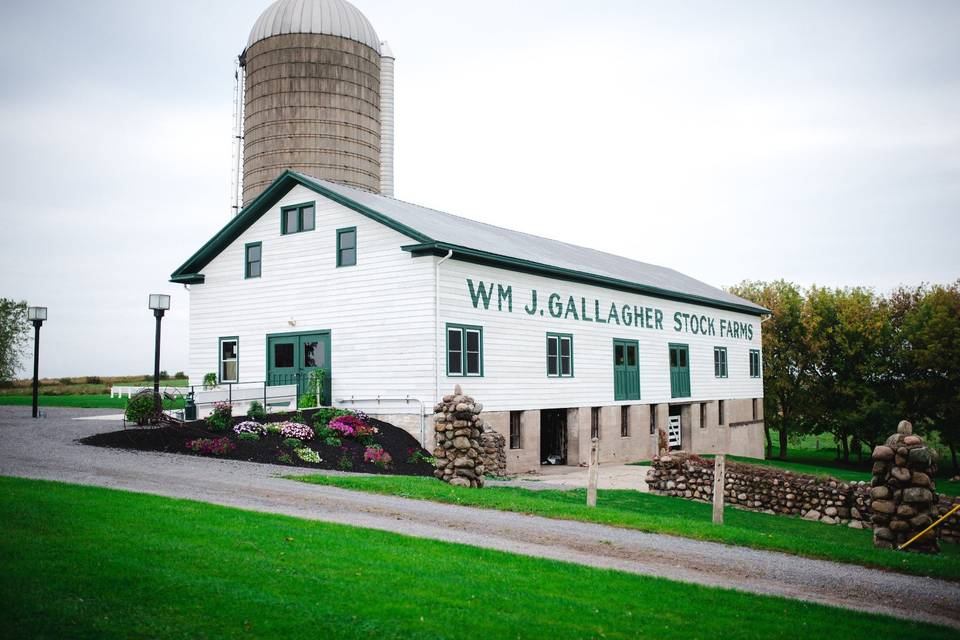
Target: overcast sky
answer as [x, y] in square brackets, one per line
[813, 141]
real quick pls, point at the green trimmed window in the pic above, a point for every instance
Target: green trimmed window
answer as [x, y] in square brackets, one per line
[298, 218]
[252, 260]
[720, 362]
[347, 247]
[755, 370]
[464, 350]
[559, 355]
[229, 367]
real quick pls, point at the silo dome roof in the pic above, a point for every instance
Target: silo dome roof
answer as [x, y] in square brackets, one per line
[328, 17]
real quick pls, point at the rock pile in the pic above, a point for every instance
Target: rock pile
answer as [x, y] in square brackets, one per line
[494, 451]
[902, 491]
[458, 451]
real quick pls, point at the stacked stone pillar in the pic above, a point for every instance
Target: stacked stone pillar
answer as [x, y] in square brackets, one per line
[902, 491]
[458, 452]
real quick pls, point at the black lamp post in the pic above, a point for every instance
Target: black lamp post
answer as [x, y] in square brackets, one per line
[159, 303]
[36, 315]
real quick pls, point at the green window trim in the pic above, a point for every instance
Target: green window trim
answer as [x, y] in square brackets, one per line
[720, 362]
[756, 365]
[302, 216]
[345, 245]
[460, 353]
[252, 268]
[558, 359]
[235, 359]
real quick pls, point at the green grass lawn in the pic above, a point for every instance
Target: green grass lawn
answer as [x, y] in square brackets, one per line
[81, 562]
[676, 516]
[79, 401]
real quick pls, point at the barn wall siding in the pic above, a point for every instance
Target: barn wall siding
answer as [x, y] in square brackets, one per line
[380, 312]
[514, 344]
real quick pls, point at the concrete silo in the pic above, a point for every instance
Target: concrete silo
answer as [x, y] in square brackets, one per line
[312, 98]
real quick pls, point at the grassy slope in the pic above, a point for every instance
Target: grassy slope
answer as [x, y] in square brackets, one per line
[83, 562]
[676, 516]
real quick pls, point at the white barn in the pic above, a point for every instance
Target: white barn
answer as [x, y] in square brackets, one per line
[397, 303]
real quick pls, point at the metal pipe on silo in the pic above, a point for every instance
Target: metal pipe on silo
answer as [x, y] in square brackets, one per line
[387, 61]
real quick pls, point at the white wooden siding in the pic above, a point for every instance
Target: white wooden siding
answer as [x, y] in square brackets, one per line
[514, 345]
[380, 312]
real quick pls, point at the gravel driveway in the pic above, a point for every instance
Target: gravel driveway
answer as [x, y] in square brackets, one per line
[46, 449]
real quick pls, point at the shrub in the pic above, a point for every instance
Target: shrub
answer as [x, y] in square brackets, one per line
[285, 458]
[295, 430]
[93, 380]
[164, 375]
[298, 418]
[345, 462]
[377, 456]
[332, 441]
[211, 447]
[180, 375]
[221, 416]
[293, 443]
[307, 401]
[322, 417]
[257, 412]
[210, 380]
[418, 455]
[249, 427]
[66, 380]
[308, 455]
[249, 436]
[140, 409]
[350, 426]
[272, 428]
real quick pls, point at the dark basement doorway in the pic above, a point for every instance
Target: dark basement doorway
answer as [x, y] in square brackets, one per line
[553, 436]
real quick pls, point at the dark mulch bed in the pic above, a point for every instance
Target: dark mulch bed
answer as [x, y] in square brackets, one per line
[270, 448]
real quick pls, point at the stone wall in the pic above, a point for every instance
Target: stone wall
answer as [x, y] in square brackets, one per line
[493, 454]
[774, 491]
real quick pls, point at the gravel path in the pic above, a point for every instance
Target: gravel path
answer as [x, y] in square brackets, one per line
[46, 449]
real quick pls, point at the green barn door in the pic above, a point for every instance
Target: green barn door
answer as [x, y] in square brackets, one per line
[626, 370]
[679, 371]
[290, 355]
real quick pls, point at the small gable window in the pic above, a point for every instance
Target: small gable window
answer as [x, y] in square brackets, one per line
[253, 260]
[347, 247]
[301, 217]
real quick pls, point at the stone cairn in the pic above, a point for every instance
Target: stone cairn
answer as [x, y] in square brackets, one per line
[902, 491]
[494, 456]
[459, 429]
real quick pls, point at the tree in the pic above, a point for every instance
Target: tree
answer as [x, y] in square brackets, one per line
[786, 357]
[851, 334]
[931, 333]
[13, 337]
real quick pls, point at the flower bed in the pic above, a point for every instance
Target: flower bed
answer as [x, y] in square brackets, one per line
[337, 439]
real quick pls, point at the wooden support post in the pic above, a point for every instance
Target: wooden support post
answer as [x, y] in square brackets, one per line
[592, 472]
[719, 467]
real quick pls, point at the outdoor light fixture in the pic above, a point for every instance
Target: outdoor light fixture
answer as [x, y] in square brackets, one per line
[36, 315]
[159, 303]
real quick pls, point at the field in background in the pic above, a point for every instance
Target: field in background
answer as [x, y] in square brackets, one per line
[84, 385]
[83, 392]
[85, 562]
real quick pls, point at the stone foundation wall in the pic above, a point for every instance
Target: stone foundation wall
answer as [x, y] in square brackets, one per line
[775, 491]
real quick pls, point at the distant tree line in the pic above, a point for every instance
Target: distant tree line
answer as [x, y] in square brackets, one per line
[853, 363]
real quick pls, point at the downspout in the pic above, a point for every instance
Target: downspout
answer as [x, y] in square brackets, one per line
[436, 325]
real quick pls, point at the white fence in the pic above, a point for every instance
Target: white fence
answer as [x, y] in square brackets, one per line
[126, 392]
